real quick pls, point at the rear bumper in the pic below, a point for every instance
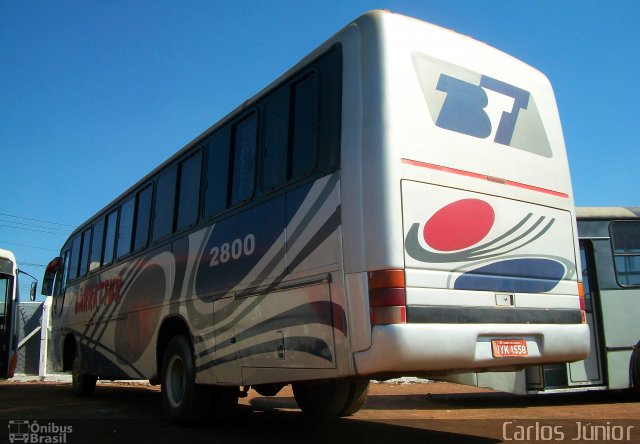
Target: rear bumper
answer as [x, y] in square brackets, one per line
[443, 348]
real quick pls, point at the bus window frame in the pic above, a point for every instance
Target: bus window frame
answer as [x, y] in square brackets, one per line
[197, 151]
[287, 87]
[251, 113]
[614, 255]
[322, 167]
[171, 172]
[223, 132]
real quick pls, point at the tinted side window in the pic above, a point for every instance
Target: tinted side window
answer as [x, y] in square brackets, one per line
[61, 284]
[290, 133]
[244, 159]
[125, 227]
[110, 237]
[303, 150]
[189, 191]
[625, 237]
[217, 185]
[276, 140]
[164, 203]
[143, 216]
[96, 245]
[75, 257]
[84, 256]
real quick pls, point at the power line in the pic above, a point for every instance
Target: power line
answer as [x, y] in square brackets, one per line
[37, 220]
[28, 246]
[33, 229]
[32, 225]
[31, 264]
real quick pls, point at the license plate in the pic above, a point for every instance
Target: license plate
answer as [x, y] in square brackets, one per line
[509, 347]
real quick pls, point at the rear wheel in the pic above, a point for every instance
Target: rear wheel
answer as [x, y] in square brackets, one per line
[83, 384]
[183, 401]
[357, 397]
[340, 397]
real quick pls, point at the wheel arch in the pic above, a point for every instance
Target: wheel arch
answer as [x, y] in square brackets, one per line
[69, 349]
[171, 326]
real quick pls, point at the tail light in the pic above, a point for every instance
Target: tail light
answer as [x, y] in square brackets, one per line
[582, 304]
[387, 297]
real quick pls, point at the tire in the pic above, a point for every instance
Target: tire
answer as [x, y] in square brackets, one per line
[184, 402]
[83, 384]
[340, 397]
[357, 397]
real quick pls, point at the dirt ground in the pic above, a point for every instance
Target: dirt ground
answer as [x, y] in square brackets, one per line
[402, 413]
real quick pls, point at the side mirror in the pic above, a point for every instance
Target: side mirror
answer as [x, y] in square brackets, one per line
[33, 290]
[50, 275]
[34, 285]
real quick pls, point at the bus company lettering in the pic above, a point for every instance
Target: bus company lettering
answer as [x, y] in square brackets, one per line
[477, 105]
[92, 297]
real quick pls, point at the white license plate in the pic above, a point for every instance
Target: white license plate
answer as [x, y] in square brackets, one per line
[509, 347]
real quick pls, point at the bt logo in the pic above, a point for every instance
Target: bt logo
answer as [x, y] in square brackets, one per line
[480, 106]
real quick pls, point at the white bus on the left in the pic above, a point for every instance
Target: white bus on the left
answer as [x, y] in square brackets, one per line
[9, 298]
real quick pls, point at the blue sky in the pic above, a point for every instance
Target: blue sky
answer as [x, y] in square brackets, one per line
[94, 94]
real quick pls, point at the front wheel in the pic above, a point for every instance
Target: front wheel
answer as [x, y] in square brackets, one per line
[340, 397]
[83, 384]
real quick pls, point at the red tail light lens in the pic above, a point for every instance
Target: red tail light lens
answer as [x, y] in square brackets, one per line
[387, 297]
[582, 305]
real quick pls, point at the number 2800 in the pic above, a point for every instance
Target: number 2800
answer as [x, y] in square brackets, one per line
[233, 250]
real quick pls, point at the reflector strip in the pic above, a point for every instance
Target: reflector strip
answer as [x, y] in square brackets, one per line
[512, 183]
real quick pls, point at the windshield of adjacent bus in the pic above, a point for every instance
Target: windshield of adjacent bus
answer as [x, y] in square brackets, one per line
[5, 293]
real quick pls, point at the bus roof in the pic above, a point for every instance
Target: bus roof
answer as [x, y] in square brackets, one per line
[6, 254]
[375, 16]
[607, 212]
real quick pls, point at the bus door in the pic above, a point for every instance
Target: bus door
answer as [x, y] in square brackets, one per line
[8, 337]
[590, 370]
[618, 297]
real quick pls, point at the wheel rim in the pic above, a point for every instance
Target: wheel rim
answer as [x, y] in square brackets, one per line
[176, 381]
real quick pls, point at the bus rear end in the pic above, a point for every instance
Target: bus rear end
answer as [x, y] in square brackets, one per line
[471, 256]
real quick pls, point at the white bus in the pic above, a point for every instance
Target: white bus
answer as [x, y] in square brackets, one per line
[397, 203]
[9, 300]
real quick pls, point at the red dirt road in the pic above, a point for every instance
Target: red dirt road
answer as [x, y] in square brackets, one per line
[430, 412]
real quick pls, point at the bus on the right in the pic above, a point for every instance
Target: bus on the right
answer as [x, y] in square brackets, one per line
[609, 240]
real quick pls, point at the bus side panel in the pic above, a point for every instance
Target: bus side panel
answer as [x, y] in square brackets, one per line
[275, 309]
[114, 316]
